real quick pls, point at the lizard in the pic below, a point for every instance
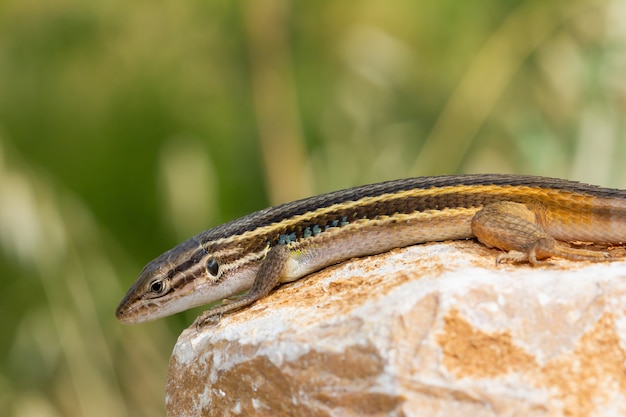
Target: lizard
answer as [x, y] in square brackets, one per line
[529, 218]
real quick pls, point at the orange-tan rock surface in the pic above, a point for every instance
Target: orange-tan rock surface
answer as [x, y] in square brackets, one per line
[430, 330]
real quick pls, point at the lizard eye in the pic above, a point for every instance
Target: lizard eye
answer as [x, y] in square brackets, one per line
[158, 287]
[212, 267]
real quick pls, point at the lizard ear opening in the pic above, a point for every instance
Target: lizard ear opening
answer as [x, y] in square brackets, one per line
[213, 268]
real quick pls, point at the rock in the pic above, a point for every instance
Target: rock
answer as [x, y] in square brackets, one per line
[430, 330]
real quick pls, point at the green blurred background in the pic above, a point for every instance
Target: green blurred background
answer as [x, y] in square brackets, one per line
[128, 126]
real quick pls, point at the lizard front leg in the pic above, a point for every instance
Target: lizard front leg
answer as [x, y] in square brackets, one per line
[269, 275]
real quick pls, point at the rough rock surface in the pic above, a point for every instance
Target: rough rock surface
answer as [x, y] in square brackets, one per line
[430, 330]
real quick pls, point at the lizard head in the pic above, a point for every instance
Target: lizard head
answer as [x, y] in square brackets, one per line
[184, 277]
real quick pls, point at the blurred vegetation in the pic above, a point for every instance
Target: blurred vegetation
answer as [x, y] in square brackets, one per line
[126, 127]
